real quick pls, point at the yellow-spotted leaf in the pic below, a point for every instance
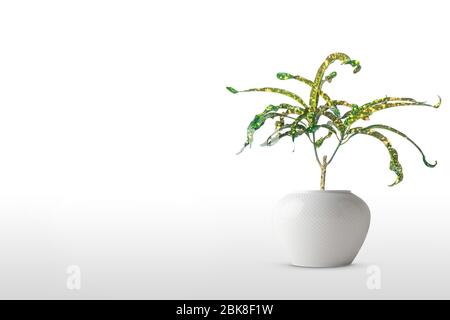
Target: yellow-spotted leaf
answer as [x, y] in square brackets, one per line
[318, 81]
[365, 111]
[384, 127]
[394, 164]
[273, 90]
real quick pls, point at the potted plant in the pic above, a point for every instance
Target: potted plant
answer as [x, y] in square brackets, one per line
[326, 228]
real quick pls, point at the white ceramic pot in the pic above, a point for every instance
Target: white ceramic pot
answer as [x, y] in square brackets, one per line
[322, 228]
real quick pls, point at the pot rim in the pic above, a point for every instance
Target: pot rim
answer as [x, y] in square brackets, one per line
[323, 191]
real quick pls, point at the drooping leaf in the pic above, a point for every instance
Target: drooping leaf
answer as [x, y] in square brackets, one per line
[277, 135]
[254, 125]
[394, 164]
[258, 121]
[293, 133]
[424, 159]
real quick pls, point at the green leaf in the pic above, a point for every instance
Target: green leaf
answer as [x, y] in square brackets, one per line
[329, 102]
[335, 111]
[336, 121]
[271, 108]
[329, 127]
[424, 159]
[345, 59]
[258, 121]
[276, 90]
[232, 90]
[366, 110]
[355, 64]
[284, 76]
[331, 76]
[320, 141]
[296, 125]
[274, 137]
[278, 134]
[313, 129]
[292, 109]
[294, 133]
[438, 104]
[394, 164]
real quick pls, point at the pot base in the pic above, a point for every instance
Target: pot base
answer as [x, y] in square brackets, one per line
[321, 266]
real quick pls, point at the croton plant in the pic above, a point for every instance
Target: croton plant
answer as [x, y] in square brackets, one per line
[335, 118]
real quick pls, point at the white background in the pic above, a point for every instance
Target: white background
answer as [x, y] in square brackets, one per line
[118, 141]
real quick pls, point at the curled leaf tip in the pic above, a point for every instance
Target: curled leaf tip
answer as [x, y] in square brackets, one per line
[393, 184]
[396, 167]
[438, 104]
[398, 180]
[232, 90]
[355, 64]
[429, 165]
[284, 76]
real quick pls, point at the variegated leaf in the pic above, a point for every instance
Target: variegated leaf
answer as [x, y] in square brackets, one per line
[273, 90]
[320, 141]
[365, 111]
[394, 164]
[382, 126]
[318, 81]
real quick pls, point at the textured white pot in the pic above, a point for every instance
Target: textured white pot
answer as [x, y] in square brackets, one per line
[322, 228]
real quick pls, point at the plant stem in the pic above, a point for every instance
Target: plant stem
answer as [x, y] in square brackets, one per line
[335, 150]
[315, 149]
[323, 172]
